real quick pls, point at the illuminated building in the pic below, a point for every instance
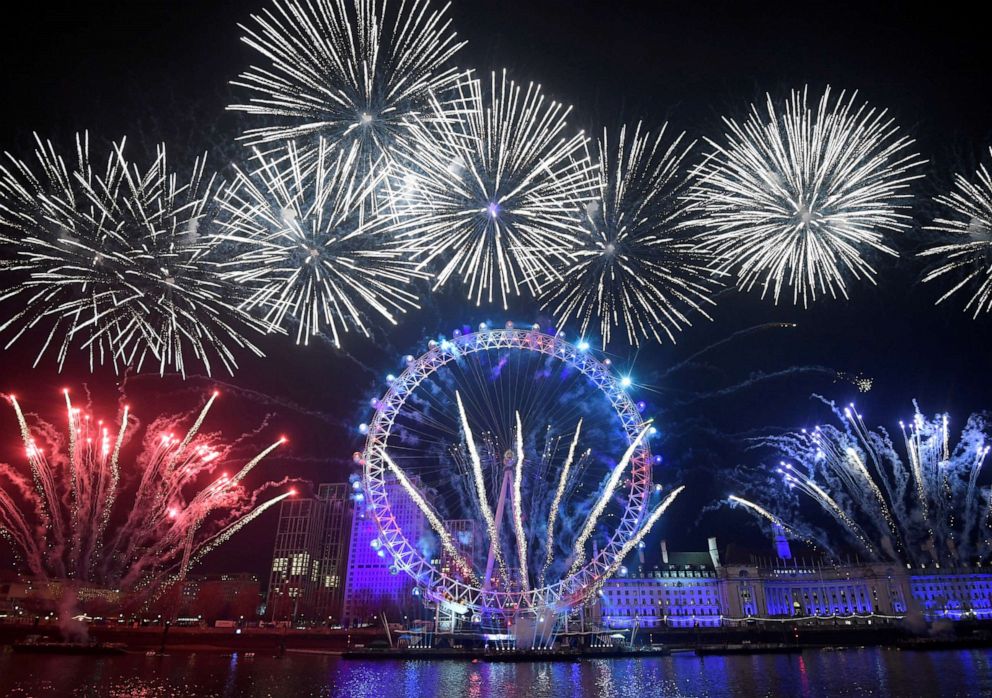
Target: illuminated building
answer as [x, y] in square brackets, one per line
[305, 584]
[374, 584]
[688, 590]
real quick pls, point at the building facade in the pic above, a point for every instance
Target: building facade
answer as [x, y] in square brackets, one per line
[686, 592]
[374, 584]
[212, 597]
[306, 582]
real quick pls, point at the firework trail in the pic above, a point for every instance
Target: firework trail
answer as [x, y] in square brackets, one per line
[489, 194]
[635, 540]
[968, 211]
[446, 541]
[518, 507]
[117, 261]
[480, 484]
[633, 269]
[556, 503]
[925, 507]
[224, 535]
[306, 245]
[603, 500]
[67, 525]
[350, 72]
[729, 338]
[761, 511]
[798, 197]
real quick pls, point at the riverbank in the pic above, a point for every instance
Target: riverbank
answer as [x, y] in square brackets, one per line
[796, 636]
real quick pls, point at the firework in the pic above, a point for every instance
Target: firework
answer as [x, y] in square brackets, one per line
[636, 539]
[556, 502]
[580, 514]
[930, 508]
[969, 219]
[518, 506]
[490, 193]
[603, 500]
[480, 483]
[117, 261]
[633, 269]
[66, 521]
[446, 541]
[351, 72]
[799, 197]
[307, 248]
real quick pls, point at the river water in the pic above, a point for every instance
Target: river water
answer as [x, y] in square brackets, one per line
[864, 672]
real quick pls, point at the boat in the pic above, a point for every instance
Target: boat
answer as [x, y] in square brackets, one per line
[748, 648]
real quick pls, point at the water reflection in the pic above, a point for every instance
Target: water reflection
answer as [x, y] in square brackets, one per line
[812, 674]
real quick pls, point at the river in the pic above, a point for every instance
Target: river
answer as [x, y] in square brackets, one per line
[853, 672]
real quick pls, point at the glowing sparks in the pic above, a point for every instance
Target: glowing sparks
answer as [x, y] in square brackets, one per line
[603, 500]
[351, 72]
[799, 197]
[491, 191]
[118, 262]
[926, 507]
[224, 535]
[761, 511]
[446, 540]
[634, 269]
[967, 217]
[307, 250]
[171, 517]
[518, 506]
[556, 502]
[480, 482]
[629, 546]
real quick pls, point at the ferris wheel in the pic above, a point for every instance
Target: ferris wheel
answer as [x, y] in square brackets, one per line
[531, 442]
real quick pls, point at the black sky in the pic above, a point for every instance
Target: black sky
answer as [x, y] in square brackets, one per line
[159, 70]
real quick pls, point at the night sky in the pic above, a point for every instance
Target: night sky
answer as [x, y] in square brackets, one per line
[159, 70]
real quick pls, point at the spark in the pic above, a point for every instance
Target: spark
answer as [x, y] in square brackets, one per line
[446, 541]
[307, 248]
[649, 523]
[170, 516]
[799, 197]
[604, 499]
[967, 216]
[497, 187]
[350, 72]
[915, 508]
[118, 262]
[556, 502]
[518, 507]
[634, 269]
[480, 483]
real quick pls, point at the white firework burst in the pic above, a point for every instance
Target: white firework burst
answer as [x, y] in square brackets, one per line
[307, 246]
[633, 269]
[798, 197]
[968, 211]
[117, 261]
[491, 189]
[349, 71]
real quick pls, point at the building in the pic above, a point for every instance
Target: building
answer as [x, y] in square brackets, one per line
[374, 584]
[696, 590]
[213, 597]
[683, 591]
[953, 594]
[305, 583]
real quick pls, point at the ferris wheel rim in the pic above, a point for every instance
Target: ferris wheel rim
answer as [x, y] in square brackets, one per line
[564, 593]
